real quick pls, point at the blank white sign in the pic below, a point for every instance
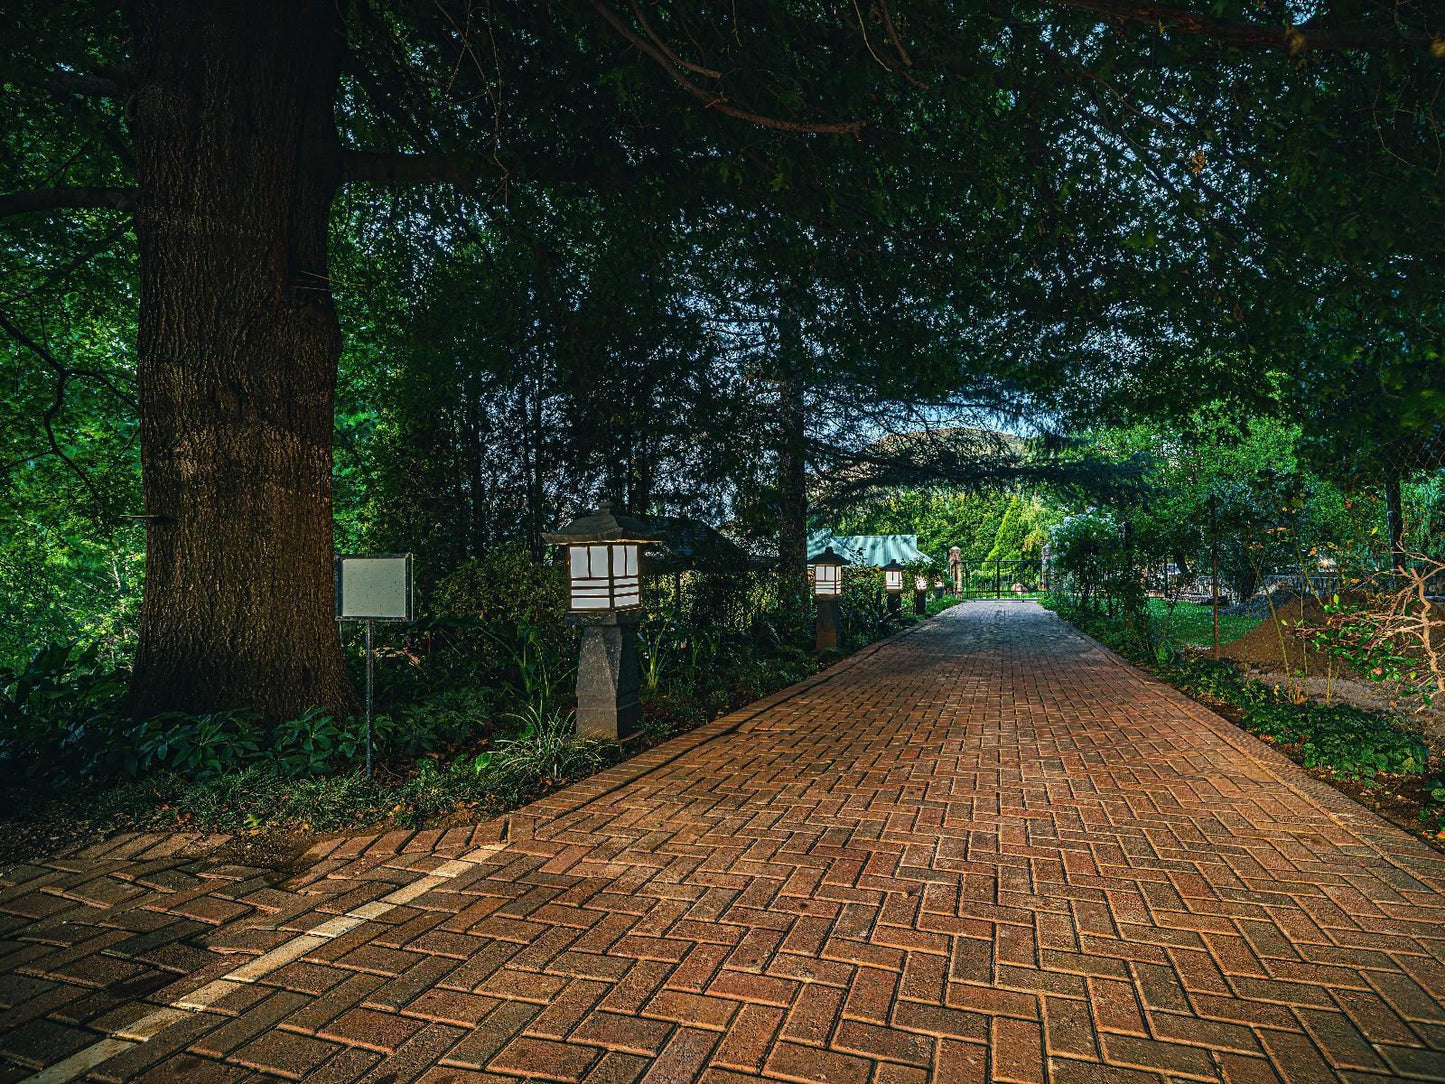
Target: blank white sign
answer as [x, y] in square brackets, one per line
[374, 588]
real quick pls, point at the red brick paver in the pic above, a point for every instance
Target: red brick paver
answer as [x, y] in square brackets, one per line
[985, 850]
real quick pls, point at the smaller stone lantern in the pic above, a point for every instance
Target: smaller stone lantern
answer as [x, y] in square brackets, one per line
[920, 594]
[893, 584]
[604, 567]
[827, 575]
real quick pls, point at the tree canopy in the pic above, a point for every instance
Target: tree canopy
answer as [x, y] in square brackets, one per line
[420, 275]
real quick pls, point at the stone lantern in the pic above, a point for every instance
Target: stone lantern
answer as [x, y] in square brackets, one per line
[920, 594]
[604, 569]
[893, 584]
[827, 575]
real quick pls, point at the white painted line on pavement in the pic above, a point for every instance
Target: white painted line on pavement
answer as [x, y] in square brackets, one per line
[199, 1000]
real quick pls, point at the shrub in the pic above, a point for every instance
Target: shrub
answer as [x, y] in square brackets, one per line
[1213, 678]
[59, 713]
[448, 718]
[546, 751]
[197, 746]
[863, 608]
[505, 586]
[670, 711]
[1085, 549]
[1340, 739]
[314, 743]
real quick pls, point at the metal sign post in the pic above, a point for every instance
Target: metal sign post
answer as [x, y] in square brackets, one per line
[371, 588]
[369, 657]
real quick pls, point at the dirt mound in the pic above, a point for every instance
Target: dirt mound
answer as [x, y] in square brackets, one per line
[1276, 645]
[1259, 605]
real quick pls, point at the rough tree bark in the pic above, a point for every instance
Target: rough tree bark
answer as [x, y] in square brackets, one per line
[238, 161]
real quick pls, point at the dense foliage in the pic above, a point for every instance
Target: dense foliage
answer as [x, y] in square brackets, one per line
[625, 277]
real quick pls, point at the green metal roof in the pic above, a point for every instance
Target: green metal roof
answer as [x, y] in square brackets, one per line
[869, 549]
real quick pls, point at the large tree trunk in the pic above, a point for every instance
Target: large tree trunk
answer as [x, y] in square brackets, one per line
[238, 163]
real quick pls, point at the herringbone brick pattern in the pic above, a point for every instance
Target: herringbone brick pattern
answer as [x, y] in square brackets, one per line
[985, 851]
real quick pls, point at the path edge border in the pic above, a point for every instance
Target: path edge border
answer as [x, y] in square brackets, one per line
[1372, 829]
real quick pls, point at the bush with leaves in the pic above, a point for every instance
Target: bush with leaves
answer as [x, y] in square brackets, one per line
[506, 585]
[59, 713]
[1343, 740]
[546, 751]
[197, 746]
[863, 607]
[1086, 551]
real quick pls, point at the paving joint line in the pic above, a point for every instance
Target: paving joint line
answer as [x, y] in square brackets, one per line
[201, 1000]
[777, 699]
[1243, 742]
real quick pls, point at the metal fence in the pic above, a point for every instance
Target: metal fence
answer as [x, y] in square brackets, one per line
[1000, 579]
[1168, 582]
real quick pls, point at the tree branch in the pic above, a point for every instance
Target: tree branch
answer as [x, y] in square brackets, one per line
[67, 198]
[90, 86]
[1251, 35]
[712, 99]
[396, 168]
[696, 69]
[63, 375]
[399, 168]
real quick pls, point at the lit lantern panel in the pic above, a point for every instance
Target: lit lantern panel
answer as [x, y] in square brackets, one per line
[605, 577]
[893, 581]
[827, 580]
[920, 583]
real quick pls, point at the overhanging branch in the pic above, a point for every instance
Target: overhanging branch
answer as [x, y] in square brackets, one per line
[393, 168]
[67, 198]
[712, 99]
[1252, 35]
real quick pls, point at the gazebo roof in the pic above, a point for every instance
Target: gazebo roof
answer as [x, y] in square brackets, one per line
[874, 550]
[685, 544]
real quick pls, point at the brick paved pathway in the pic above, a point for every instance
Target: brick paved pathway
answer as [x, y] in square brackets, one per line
[983, 851]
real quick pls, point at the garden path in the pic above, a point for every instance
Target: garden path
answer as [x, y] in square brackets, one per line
[983, 850]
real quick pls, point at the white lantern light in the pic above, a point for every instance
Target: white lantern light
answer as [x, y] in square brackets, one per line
[604, 560]
[827, 574]
[604, 576]
[920, 582]
[893, 577]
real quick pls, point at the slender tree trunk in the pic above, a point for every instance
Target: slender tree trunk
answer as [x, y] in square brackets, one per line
[238, 163]
[1395, 522]
[476, 477]
[792, 461]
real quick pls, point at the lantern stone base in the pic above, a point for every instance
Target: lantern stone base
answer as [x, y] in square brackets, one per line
[895, 602]
[608, 676]
[827, 624]
[920, 602]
